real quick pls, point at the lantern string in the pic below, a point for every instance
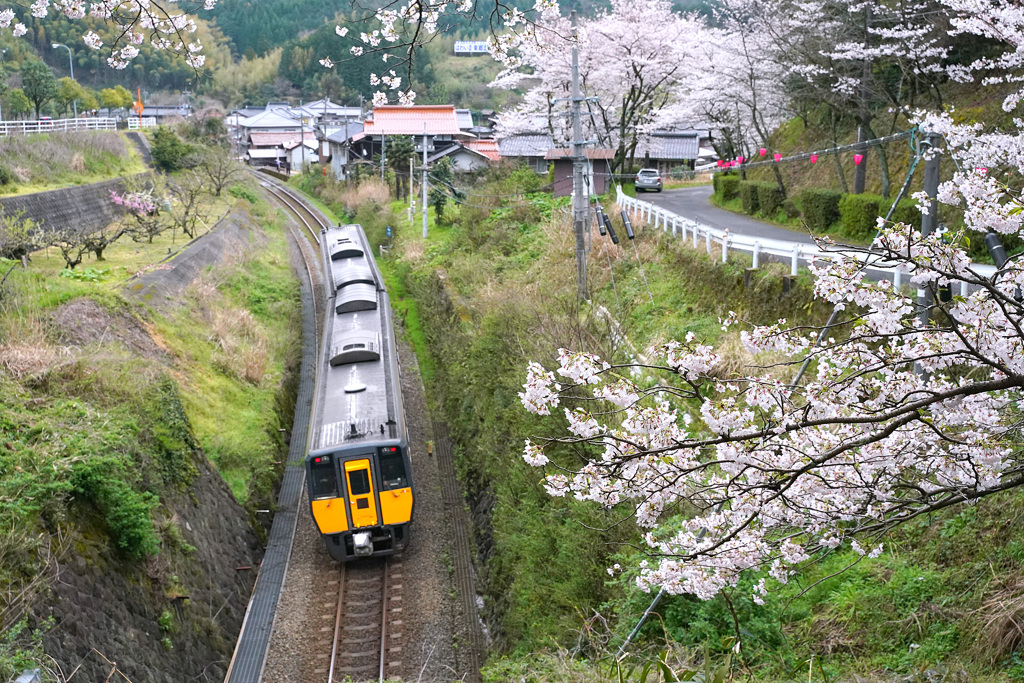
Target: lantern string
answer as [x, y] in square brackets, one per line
[803, 156]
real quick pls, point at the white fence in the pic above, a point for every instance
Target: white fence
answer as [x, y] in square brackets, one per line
[50, 125]
[714, 239]
[134, 122]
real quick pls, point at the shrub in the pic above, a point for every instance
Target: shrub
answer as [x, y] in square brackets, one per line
[907, 213]
[858, 215]
[730, 187]
[6, 177]
[101, 480]
[169, 152]
[820, 207]
[749, 198]
[791, 209]
[769, 198]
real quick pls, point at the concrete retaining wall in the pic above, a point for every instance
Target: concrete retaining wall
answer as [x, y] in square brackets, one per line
[87, 207]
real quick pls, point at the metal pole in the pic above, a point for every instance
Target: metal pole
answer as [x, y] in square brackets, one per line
[579, 202]
[383, 146]
[71, 63]
[423, 181]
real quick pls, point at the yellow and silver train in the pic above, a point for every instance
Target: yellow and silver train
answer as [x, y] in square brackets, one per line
[358, 471]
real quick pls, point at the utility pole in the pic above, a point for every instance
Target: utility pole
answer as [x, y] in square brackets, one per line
[383, 146]
[929, 222]
[423, 181]
[412, 196]
[580, 203]
[860, 170]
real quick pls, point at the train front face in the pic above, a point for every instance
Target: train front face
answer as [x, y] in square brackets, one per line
[362, 499]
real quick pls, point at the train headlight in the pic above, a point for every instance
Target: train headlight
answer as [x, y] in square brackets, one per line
[361, 544]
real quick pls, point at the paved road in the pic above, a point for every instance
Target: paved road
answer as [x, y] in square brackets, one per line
[694, 203]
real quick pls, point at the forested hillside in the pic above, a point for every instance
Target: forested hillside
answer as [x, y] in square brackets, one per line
[257, 26]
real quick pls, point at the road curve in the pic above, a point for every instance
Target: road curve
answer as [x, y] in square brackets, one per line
[694, 203]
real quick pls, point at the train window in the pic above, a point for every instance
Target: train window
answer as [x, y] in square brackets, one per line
[359, 482]
[353, 346]
[325, 484]
[392, 468]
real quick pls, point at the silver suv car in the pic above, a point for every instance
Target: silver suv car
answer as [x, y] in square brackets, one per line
[648, 179]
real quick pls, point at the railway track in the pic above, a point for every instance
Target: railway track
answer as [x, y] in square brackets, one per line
[312, 221]
[366, 610]
[361, 599]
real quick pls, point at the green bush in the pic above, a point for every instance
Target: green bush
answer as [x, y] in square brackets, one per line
[907, 213]
[791, 209]
[169, 152]
[858, 215]
[6, 177]
[727, 186]
[749, 197]
[820, 207]
[101, 480]
[769, 198]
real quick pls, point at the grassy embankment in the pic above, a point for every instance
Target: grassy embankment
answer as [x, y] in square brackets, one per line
[100, 426]
[46, 161]
[490, 290]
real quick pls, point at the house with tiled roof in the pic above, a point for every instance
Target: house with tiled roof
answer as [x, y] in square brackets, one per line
[280, 149]
[528, 148]
[668, 149]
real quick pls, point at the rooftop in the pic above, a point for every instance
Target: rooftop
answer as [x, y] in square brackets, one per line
[416, 120]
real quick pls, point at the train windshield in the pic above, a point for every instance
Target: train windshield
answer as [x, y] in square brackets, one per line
[322, 478]
[392, 468]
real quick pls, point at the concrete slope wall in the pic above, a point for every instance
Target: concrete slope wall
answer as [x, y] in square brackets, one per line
[87, 207]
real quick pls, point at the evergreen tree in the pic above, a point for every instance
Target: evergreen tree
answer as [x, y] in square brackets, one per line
[38, 83]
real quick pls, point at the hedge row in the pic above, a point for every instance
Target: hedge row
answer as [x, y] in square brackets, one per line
[856, 215]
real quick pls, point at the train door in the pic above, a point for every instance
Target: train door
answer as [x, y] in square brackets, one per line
[360, 493]
[328, 506]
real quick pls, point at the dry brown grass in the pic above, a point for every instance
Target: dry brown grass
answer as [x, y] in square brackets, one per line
[354, 196]
[999, 621]
[242, 346]
[25, 350]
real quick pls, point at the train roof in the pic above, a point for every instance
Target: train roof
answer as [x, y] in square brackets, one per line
[358, 395]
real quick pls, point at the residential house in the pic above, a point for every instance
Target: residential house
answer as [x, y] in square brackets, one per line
[669, 149]
[468, 156]
[340, 149]
[528, 148]
[281, 149]
[438, 123]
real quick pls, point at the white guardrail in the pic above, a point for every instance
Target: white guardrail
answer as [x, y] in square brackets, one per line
[50, 125]
[135, 123]
[755, 246]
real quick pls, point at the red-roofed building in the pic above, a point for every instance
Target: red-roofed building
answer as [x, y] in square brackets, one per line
[489, 148]
[444, 126]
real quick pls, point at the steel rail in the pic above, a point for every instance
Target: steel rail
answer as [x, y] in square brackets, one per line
[337, 625]
[295, 205]
[384, 625]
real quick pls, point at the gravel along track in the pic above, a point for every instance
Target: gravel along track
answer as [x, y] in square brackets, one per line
[428, 627]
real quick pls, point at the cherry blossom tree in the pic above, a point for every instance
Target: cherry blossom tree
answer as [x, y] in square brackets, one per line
[630, 73]
[906, 411]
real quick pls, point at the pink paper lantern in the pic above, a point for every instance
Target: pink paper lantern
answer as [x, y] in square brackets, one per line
[763, 151]
[814, 158]
[857, 158]
[740, 159]
[721, 163]
[778, 157]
